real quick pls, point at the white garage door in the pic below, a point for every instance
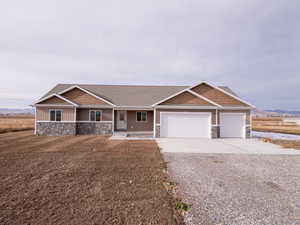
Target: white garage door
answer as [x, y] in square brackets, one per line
[185, 125]
[232, 125]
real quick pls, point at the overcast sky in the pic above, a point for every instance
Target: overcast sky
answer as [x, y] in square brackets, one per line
[253, 46]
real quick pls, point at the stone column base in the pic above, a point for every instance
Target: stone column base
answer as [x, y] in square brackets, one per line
[248, 131]
[55, 128]
[215, 132]
[157, 131]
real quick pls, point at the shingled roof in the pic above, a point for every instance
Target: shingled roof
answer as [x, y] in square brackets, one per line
[128, 95]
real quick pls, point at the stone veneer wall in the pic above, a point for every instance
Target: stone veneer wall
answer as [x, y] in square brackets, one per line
[157, 131]
[215, 131]
[248, 131]
[94, 128]
[55, 129]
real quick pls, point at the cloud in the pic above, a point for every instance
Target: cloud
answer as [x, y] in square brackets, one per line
[251, 46]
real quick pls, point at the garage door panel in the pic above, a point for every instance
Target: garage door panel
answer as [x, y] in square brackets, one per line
[185, 125]
[232, 125]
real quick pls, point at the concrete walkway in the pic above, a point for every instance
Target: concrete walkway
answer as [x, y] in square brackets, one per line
[222, 146]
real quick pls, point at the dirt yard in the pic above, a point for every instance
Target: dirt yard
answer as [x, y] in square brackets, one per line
[82, 180]
[13, 123]
[274, 125]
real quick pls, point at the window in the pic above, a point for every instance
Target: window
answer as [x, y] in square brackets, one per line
[141, 116]
[55, 115]
[95, 115]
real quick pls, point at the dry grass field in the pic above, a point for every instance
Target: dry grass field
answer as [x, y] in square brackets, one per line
[274, 125]
[277, 125]
[284, 143]
[16, 123]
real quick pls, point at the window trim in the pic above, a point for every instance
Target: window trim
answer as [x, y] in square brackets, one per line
[93, 110]
[141, 121]
[56, 110]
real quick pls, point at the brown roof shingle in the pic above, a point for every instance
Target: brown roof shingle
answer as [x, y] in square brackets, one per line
[127, 95]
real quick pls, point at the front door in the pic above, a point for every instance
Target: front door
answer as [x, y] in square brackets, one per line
[121, 120]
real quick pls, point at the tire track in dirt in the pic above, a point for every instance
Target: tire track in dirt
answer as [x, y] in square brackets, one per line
[18, 141]
[15, 135]
[83, 180]
[72, 144]
[33, 145]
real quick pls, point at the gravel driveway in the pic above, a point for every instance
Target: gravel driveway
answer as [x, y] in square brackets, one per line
[238, 188]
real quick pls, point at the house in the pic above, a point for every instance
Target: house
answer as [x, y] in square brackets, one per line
[202, 110]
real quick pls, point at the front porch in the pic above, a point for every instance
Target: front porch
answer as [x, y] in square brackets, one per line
[133, 122]
[122, 135]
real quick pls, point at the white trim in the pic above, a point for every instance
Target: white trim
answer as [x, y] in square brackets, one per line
[217, 121]
[56, 110]
[58, 96]
[158, 124]
[50, 105]
[93, 110]
[250, 118]
[215, 125]
[184, 107]
[46, 121]
[128, 108]
[195, 113]
[154, 123]
[146, 121]
[35, 115]
[65, 121]
[250, 121]
[88, 92]
[204, 98]
[245, 121]
[134, 132]
[113, 120]
[235, 108]
[133, 106]
[174, 95]
[185, 112]
[204, 82]
[233, 113]
[95, 107]
[87, 121]
[225, 92]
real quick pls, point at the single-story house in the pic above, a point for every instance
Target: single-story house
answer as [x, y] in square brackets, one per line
[202, 110]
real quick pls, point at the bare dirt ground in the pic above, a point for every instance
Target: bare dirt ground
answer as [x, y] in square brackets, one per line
[82, 180]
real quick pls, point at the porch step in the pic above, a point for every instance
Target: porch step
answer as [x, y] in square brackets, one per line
[132, 136]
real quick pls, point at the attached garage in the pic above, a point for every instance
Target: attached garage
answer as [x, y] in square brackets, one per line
[185, 124]
[232, 125]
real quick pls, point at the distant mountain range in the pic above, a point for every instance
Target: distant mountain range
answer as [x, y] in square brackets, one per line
[16, 111]
[275, 112]
[257, 111]
[288, 112]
